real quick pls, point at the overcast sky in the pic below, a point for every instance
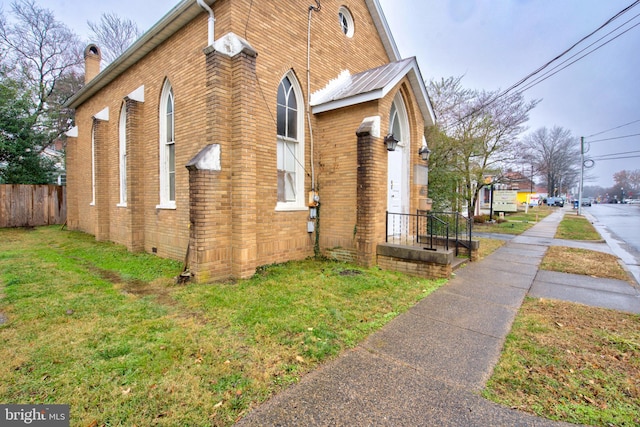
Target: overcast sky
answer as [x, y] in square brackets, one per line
[494, 44]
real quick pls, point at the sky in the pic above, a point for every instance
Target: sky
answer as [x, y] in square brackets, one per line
[493, 44]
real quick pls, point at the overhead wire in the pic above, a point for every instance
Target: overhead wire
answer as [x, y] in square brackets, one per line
[616, 158]
[614, 128]
[543, 67]
[549, 73]
[616, 137]
[615, 154]
[610, 20]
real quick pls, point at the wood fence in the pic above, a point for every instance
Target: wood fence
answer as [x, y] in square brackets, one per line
[32, 205]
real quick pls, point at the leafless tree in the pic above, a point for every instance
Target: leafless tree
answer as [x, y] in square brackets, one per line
[41, 52]
[480, 130]
[113, 35]
[555, 154]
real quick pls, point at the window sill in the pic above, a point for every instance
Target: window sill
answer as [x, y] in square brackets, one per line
[167, 206]
[121, 205]
[282, 207]
[92, 204]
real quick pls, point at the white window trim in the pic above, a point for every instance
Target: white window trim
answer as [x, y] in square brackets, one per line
[404, 141]
[343, 11]
[122, 156]
[299, 203]
[165, 203]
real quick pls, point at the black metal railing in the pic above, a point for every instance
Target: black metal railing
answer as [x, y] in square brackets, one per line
[430, 230]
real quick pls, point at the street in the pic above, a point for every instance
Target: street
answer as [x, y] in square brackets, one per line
[619, 224]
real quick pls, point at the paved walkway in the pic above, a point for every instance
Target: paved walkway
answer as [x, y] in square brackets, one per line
[428, 366]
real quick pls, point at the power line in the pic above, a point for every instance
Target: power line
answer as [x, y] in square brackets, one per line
[537, 71]
[617, 127]
[613, 18]
[617, 158]
[602, 157]
[540, 79]
[616, 137]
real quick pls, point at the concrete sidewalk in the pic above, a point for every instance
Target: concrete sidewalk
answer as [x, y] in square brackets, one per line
[427, 366]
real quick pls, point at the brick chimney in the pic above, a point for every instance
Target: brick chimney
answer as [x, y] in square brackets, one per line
[92, 58]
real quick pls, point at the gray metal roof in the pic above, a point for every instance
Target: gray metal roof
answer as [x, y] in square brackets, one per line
[347, 90]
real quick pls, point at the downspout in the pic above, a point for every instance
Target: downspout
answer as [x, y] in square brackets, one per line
[313, 173]
[212, 20]
[316, 245]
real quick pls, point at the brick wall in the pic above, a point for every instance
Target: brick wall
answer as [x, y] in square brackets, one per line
[415, 268]
[232, 102]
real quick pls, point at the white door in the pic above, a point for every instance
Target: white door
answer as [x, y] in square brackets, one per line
[395, 183]
[398, 169]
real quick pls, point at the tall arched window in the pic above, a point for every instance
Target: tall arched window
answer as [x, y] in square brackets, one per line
[290, 152]
[167, 148]
[122, 134]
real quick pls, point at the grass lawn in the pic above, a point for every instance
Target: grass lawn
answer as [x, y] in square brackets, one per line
[108, 332]
[514, 223]
[567, 361]
[575, 227]
[572, 363]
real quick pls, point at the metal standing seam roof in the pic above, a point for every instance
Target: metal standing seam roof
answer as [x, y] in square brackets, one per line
[372, 84]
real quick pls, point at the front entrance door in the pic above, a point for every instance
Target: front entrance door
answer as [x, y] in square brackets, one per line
[398, 169]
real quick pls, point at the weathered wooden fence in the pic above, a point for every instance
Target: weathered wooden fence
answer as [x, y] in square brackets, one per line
[32, 205]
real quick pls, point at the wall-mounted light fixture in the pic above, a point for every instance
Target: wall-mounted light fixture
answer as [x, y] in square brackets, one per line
[424, 152]
[390, 142]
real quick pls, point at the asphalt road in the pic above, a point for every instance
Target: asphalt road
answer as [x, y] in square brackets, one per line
[620, 225]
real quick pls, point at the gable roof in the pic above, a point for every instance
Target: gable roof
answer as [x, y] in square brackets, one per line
[373, 84]
[183, 13]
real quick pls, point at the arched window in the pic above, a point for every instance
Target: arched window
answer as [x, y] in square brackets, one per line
[167, 148]
[290, 151]
[122, 134]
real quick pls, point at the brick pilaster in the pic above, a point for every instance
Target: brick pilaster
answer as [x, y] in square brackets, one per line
[135, 174]
[103, 184]
[73, 212]
[243, 166]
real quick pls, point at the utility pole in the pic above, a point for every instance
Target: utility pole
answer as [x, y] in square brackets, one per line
[581, 175]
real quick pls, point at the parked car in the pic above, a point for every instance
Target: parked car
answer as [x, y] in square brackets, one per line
[555, 201]
[586, 202]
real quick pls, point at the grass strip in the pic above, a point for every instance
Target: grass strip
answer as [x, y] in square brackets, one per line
[571, 362]
[89, 324]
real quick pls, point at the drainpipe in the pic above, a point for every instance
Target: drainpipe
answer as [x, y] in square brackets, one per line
[313, 172]
[212, 20]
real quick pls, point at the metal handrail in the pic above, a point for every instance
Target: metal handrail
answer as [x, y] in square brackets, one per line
[437, 229]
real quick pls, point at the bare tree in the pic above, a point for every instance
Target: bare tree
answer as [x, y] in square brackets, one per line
[41, 52]
[113, 34]
[627, 181]
[480, 131]
[555, 154]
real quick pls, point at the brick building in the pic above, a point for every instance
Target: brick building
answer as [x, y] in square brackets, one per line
[209, 137]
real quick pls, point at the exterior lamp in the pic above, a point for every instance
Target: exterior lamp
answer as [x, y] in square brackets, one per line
[390, 142]
[424, 152]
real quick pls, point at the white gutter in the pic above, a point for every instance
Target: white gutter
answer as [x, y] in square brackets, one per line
[212, 21]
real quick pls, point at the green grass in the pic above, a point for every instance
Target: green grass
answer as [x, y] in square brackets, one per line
[108, 332]
[571, 363]
[575, 227]
[514, 223]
